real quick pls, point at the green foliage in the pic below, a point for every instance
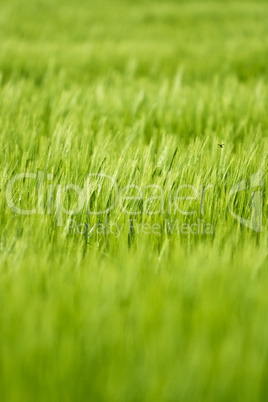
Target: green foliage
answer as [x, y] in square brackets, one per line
[132, 306]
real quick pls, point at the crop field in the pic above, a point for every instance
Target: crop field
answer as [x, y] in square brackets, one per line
[133, 194]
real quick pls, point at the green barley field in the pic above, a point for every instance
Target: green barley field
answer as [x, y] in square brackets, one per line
[133, 245]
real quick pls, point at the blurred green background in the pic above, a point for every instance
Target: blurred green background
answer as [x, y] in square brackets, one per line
[123, 87]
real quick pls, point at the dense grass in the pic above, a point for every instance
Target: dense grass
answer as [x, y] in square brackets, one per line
[133, 306]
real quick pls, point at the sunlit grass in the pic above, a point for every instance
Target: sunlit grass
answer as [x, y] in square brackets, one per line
[162, 297]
